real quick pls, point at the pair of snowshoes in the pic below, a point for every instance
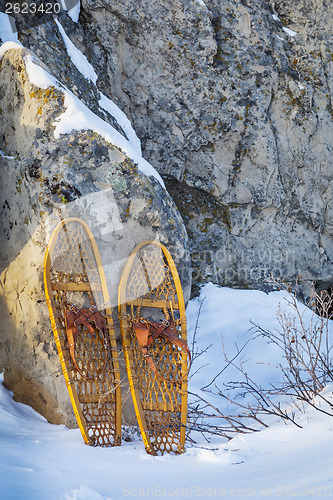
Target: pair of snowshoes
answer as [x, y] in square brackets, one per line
[155, 350]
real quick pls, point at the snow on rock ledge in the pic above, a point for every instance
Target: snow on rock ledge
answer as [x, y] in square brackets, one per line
[46, 176]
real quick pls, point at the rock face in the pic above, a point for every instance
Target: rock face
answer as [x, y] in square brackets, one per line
[44, 179]
[233, 103]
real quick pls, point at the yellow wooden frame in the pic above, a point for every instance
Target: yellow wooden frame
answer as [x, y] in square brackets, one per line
[49, 293]
[127, 348]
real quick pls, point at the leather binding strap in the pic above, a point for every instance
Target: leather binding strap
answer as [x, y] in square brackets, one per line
[148, 331]
[75, 317]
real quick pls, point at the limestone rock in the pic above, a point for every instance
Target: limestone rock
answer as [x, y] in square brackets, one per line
[233, 102]
[45, 178]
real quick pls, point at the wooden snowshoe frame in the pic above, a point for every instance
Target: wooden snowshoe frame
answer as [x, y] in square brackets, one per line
[150, 288]
[74, 274]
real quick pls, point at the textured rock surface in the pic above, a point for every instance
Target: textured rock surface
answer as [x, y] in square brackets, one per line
[42, 180]
[233, 101]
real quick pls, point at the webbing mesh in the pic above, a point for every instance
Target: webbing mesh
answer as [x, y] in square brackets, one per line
[75, 279]
[151, 294]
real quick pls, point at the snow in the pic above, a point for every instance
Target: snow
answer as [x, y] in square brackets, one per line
[40, 460]
[3, 154]
[241, 308]
[78, 59]
[119, 115]
[6, 28]
[38, 74]
[289, 31]
[286, 30]
[8, 46]
[74, 12]
[212, 317]
[78, 117]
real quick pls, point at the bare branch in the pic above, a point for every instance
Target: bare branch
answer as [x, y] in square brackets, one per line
[307, 350]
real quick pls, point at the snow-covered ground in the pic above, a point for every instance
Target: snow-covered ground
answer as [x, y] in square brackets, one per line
[44, 461]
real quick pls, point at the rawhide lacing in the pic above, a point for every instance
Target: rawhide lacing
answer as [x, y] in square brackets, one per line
[75, 317]
[148, 331]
